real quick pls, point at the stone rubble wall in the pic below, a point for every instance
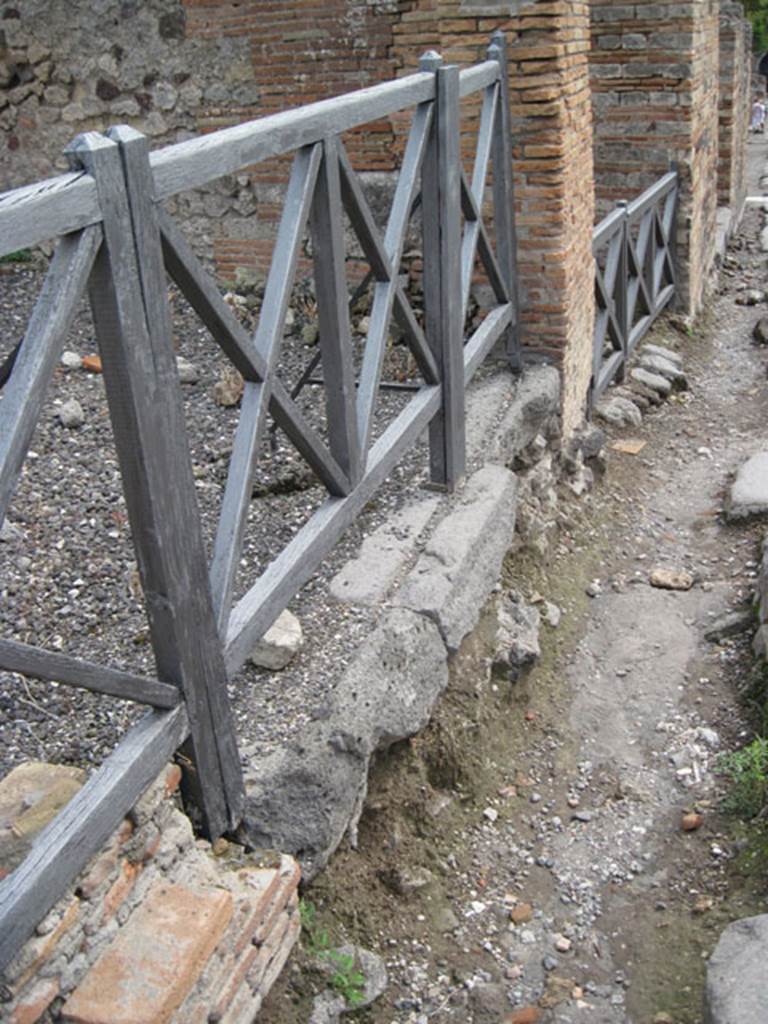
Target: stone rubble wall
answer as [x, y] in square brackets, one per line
[203, 930]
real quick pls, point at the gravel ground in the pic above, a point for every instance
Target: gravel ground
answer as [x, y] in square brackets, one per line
[68, 576]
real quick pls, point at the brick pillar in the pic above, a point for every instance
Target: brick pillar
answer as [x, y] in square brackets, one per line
[654, 70]
[735, 103]
[551, 127]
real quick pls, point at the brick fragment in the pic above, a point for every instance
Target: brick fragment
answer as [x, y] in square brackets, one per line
[156, 958]
[33, 1003]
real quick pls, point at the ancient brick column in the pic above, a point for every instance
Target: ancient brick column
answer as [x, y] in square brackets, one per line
[655, 70]
[552, 134]
[735, 104]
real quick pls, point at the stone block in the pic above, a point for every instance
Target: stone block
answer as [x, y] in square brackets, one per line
[748, 496]
[304, 798]
[367, 579]
[735, 991]
[461, 562]
[146, 973]
[280, 644]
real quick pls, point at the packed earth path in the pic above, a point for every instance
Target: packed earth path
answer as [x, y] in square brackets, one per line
[556, 850]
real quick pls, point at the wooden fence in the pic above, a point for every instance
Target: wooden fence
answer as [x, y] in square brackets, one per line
[117, 243]
[634, 276]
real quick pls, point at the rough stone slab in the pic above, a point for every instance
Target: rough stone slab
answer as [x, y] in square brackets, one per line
[665, 368]
[651, 380]
[302, 799]
[749, 492]
[666, 353]
[621, 412]
[461, 562]
[146, 973]
[487, 403]
[536, 399]
[367, 579]
[736, 974]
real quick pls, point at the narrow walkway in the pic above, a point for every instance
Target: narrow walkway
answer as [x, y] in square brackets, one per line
[552, 880]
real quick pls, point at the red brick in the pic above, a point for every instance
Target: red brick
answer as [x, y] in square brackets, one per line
[156, 958]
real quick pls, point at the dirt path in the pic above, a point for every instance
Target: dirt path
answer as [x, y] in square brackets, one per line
[524, 859]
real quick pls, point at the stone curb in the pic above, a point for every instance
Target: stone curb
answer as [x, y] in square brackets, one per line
[305, 798]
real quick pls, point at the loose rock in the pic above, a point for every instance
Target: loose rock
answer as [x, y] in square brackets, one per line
[71, 414]
[671, 579]
[280, 644]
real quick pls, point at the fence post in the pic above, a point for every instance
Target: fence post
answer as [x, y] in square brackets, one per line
[133, 327]
[441, 221]
[620, 291]
[503, 198]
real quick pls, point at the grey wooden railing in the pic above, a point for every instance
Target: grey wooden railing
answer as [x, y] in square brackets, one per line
[117, 242]
[634, 276]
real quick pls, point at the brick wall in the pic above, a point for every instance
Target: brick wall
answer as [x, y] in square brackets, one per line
[159, 926]
[654, 70]
[552, 132]
[735, 104]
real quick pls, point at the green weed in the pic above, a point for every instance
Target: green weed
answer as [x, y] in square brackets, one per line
[747, 771]
[345, 978]
[21, 256]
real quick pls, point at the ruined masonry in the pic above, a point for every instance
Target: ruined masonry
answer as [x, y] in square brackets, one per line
[205, 930]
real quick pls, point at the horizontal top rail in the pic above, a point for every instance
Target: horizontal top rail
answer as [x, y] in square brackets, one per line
[47, 209]
[202, 159]
[652, 195]
[607, 227]
[68, 202]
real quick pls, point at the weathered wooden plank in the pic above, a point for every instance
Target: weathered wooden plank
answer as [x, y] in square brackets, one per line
[384, 292]
[64, 847]
[445, 333]
[478, 77]
[57, 206]
[61, 668]
[485, 251]
[646, 200]
[610, 225]
[504, 199]
[253, 410]
[203, 295]
[24, 393]
[485, 337]
[367, 232]
[283, 578]
[128, 298]
[472, 218]
[333, 314]
[202, 159]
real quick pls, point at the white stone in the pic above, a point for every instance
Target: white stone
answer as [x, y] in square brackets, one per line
[188, 372]
[71, 360]
[71, 414]
[280, 644]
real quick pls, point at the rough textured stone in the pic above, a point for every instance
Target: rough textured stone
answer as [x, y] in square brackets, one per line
[620, 412]
[651, 380]
[517, 636]
[730, 624]
[665, 368]
[760, 331]
[71, 414]
[535, 400]
[461, 562]
[671, 579]
[735, 992]
[666, 353]
[30, 796]
[304, 798]
[368, 578]
[749, 492]
[280, 644]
